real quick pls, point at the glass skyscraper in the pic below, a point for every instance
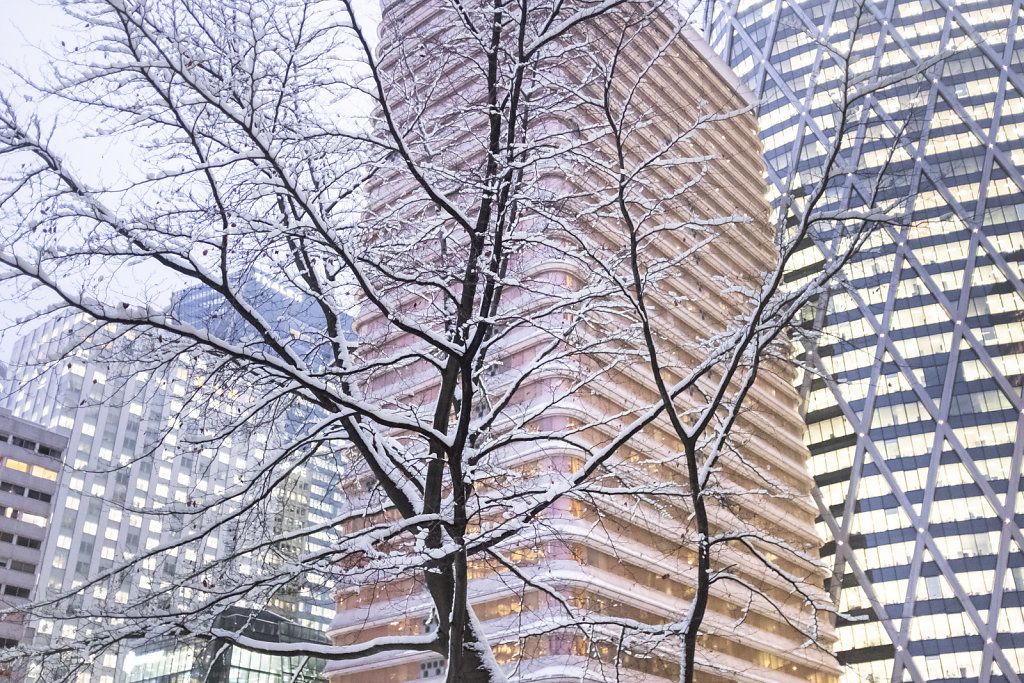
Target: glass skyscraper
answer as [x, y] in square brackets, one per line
[913, 423]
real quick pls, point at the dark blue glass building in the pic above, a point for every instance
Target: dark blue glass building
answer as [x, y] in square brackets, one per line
[914, 422]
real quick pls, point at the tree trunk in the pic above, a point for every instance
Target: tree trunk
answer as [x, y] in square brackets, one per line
[703, 587]
[475, 662]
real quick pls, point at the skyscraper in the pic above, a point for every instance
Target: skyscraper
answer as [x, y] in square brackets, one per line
[312, 494]
[128, 452]
[914, 428]
[121, 453]
[602, 559]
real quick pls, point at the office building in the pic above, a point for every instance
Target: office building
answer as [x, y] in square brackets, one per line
[311, 494]
[30, 463]
[121, 451]
[130, 444]
[604, 557]
[914, 426]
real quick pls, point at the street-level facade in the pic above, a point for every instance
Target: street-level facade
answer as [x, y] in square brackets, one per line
[213, 661]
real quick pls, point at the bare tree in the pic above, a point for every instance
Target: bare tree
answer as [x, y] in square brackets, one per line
[548, 222]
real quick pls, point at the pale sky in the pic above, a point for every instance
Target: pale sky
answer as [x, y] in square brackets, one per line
[28, 29]
[31, 31]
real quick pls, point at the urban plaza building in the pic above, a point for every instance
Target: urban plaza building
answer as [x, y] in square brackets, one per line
[914, 422]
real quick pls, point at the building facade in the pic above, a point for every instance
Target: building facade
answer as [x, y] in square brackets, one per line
[605, 558]
[30, 464]
[121, 452]
[171, 661]
[311, 494]
[914, 420]
[131, 442]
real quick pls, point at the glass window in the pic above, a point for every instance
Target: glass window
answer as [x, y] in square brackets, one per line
[16, 465]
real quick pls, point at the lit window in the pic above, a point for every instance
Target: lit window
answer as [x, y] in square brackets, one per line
[43, 473]
[16, 465]
[34, 519]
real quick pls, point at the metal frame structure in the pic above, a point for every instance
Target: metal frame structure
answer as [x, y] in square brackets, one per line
[960, 134]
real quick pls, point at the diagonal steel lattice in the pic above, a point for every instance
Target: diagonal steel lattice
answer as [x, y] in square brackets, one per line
[914, 420]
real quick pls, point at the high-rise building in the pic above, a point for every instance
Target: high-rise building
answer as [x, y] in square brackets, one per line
[30, 463]
[128, 445]
[121, 452]
[914, 426]
[311, 494]
[593, 553]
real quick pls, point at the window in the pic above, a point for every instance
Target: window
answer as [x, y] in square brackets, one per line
[38, 520]
[28, 543]
[23, 567]
[16, 591]
[16, 465]
[12, 488]
[23, 443]
[51, 452]
[43, 473]
[435, 667]
[39, 495]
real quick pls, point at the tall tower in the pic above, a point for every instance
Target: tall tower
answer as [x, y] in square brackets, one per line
[131, 442]
[915, 432]
[601, 557]
[119, 453]
[312, 494]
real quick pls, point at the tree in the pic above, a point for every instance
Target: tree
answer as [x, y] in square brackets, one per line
[569, 312]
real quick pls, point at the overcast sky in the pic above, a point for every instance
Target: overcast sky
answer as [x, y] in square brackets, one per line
[28, 30]
[31, 31]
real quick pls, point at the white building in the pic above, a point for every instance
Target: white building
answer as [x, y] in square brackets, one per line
[128, 460]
